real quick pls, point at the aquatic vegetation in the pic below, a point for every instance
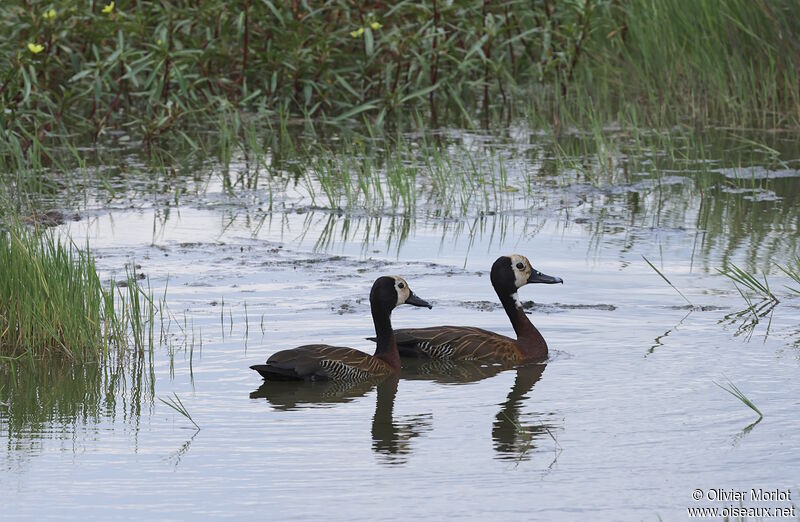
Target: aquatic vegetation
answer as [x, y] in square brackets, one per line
[177, 404]
[747, 319]
[273, 131]
[54, 304]
[88, 72]
[793, 271]
[736, 392]
[668, 281]
[761, 300]
[525, 437]
[749, 281]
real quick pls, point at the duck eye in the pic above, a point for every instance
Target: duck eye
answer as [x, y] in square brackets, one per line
[520, 266]
[400, 285]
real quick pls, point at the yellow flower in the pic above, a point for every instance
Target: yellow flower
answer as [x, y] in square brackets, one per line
[358, 32]
[159, 42]
[35, 48]
[49, 15]
[109, 8]
[376, 25]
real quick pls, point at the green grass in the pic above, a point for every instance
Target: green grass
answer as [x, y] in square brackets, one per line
[750, 281]
[177, 405]
[668, 281]
[698, 63]
[155, 70]
[53, 304]
[793, 271]
[736, 392]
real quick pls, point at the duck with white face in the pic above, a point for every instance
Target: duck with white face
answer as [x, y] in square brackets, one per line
[508, 275]
[324, 362]
[524, 274]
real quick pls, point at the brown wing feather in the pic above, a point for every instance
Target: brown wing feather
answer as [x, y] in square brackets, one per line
[321, 361]
[457, 343]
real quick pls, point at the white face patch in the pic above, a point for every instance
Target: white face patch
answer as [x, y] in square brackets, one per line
[401, 287]
[522, 270]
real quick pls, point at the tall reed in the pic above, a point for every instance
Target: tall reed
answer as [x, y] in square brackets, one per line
[53, 304]
[154, 69]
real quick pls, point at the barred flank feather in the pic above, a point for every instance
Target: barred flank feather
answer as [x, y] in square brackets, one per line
[318, 362]
[462, 343]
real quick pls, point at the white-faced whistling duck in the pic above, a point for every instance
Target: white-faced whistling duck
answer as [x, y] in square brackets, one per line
[509, 273]
[323, 362]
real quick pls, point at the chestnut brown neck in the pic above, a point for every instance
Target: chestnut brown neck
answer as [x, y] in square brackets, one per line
[529, 341]
[386, 346]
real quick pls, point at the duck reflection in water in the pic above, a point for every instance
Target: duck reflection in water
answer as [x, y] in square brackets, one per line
[513, 437]
[391, 436]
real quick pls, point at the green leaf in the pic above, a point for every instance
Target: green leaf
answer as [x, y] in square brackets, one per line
[341, 81]
[357, 110]
[420, 93]
[275, 12]
[369, 43]
[27, 81]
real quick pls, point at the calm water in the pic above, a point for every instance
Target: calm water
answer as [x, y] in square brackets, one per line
[623, 422]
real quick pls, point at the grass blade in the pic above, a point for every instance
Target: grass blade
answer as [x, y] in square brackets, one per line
[749, 281]
[736, 392]
[177, 405]
[667, 280]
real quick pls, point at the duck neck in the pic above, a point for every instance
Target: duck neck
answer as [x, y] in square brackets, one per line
[530, 341]
[386, 346]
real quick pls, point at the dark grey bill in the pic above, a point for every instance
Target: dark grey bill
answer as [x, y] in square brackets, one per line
[538, 277]
[416, 301]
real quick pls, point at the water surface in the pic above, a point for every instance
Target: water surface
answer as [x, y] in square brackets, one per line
[623, 422]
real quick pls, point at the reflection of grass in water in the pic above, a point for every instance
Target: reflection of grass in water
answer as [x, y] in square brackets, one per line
[526, 437]
[757, 310]
[673, 179]
[751, 316]
[71, 346]
[676, 178]
[450, 183]
[662, 179]
[54, 400]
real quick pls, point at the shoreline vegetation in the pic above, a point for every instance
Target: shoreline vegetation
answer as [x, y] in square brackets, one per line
[53, 305]
[151, 70]
[187, 84]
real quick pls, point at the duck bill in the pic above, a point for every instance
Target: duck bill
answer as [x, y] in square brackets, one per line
[416, 301]
[538, 277]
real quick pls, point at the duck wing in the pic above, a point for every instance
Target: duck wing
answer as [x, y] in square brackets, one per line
[457, 343]
[318, 362]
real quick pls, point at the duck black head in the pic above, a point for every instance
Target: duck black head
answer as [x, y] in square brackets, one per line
[389, 292]
[509, 273]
